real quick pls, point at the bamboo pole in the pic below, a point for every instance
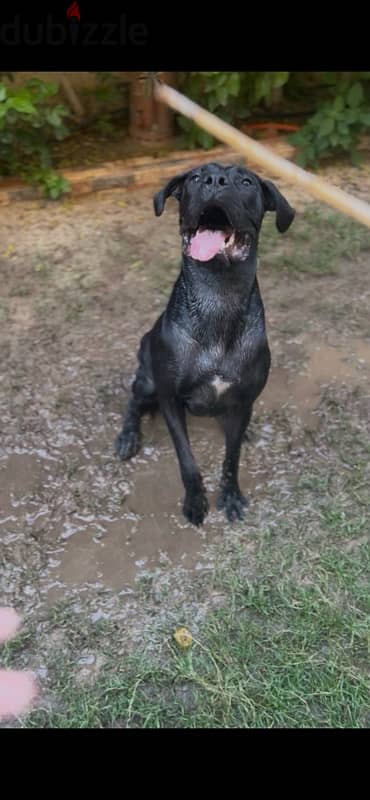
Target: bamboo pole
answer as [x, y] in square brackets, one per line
[259, 154]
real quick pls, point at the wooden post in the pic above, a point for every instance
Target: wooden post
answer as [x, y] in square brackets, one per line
[150, 122]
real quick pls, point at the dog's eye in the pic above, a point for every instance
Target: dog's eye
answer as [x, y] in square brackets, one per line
[246, 182]
[195, 178]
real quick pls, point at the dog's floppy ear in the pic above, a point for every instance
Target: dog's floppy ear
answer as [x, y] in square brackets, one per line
[274, 201]
[173, 188]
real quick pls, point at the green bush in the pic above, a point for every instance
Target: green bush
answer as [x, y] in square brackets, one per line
[229, 95]
[338, 124]
[30, 118]
[28, 125]
[341, 118]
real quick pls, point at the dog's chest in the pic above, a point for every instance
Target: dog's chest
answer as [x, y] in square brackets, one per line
[210, 380]
[216, 366]
[220, 386]
[210, 396]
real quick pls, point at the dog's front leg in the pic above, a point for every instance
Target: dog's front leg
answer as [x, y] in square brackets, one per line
[196, 504]
[231, 499]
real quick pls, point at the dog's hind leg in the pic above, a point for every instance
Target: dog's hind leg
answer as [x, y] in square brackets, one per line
[231, 499]
[143, 400]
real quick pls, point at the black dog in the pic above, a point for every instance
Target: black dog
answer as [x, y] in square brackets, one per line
[208, 352]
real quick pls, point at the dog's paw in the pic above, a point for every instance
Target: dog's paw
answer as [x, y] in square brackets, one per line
[196, 507]
[233, 502]
[127, 445]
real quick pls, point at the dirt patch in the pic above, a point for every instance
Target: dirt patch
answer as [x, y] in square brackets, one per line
[301, 390]
[82, 282]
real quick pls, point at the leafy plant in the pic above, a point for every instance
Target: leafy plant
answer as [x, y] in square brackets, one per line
[338, 124]
[262, 86]
[342, 116]
[230, 95]
[108, 88]
[54, 185]
[214, 90]
[28, 124]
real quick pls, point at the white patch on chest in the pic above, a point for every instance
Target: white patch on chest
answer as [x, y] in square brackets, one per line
[219, 385]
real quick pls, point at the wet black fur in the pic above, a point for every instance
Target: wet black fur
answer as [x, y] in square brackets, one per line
[213, 325]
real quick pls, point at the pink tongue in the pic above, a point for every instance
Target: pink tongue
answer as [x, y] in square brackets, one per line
[205, 244]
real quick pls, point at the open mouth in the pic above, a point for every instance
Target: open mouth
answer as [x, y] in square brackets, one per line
[215, 236]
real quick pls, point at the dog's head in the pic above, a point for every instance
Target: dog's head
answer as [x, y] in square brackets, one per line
[221, 210]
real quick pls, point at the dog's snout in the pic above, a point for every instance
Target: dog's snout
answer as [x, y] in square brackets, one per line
[216, 181]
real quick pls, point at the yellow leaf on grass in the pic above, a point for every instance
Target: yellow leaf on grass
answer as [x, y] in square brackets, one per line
[9, 250]
[183, 637]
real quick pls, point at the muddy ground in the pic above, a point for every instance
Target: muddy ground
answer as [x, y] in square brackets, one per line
[80, 283]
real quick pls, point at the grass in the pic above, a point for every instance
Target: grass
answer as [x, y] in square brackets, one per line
[288, 646]
[322, 238]
[280, 653]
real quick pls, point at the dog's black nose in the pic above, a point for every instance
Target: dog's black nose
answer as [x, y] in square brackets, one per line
[215, 180]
